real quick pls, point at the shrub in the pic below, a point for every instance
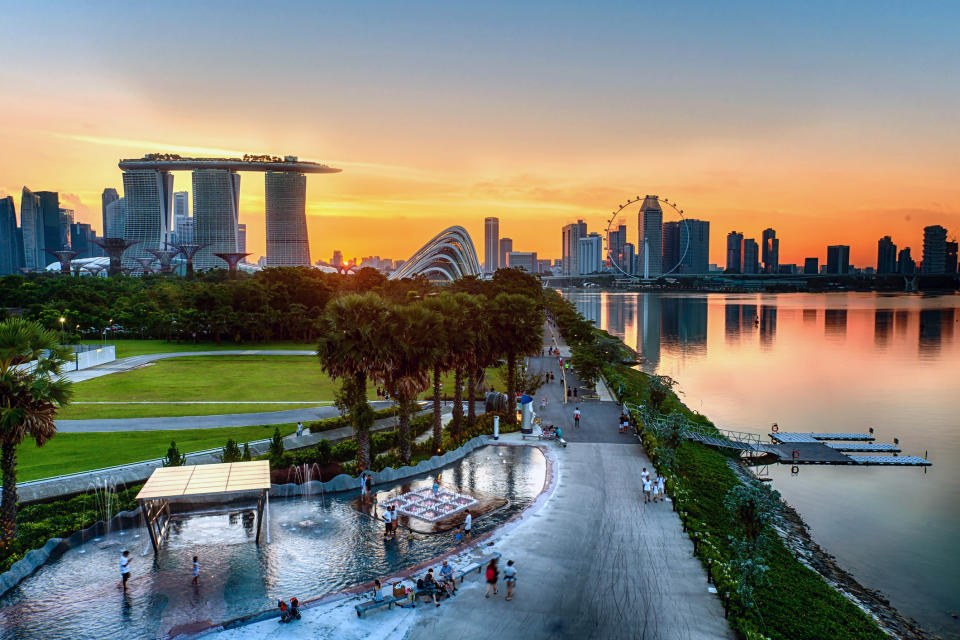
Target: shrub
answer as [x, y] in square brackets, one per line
[231, 452]
[324, 452]
[174, 459]
[276, 448]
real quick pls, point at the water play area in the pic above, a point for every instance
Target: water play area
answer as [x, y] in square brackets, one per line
[319, 544]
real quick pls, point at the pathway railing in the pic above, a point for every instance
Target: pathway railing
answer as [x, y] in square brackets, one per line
[711, 436]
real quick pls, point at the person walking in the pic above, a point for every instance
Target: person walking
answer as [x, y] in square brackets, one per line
[574, 392]
[576, 417]
[125, 567]
[299, 429]
[196, 570]
[467, 524]
[647, 488]
[492, 574]
[510, 577]
[662, 487]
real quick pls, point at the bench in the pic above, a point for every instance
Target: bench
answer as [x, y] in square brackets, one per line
[477, 566]
[373, 605]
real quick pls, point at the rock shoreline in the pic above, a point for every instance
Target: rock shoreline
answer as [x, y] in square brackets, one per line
[795, 534]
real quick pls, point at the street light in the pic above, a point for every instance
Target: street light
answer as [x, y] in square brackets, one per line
[62, 320]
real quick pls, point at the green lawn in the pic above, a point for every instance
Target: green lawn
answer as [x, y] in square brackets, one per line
[73, 452]
[126, 348]
[214, 378]
[111, 411]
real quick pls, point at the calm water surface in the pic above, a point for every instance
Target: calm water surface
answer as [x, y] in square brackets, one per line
[830, 362]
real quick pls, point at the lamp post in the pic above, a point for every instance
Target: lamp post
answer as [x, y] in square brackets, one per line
[62, 320]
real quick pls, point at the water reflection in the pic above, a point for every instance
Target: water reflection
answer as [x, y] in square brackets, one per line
[888, 362]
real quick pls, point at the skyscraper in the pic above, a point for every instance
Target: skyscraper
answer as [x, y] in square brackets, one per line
[838, 259]
[31, 224]
[589, 255]
[149, 199]
[697, 259]
[672, 249]
[735, 252]
[216, 204]
[650, 240]
[82, 238]
[9, 238]
[242, 238]
[934, 249]
[287, 241]
[337, 258]
[109, 195]
[616, 241]
[905, 263]
[116, 220]
[811, 266]
[491, 244]
[67, 218]
[50, 214]
[506, 246]
[886, 255]
[571, 235]
[628, 260]
[181, 214]
[770, 251]
[751, 256]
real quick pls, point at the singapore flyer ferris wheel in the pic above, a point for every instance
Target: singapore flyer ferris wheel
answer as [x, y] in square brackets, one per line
[649, 259]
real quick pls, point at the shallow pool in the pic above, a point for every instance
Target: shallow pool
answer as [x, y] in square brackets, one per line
[318, 545]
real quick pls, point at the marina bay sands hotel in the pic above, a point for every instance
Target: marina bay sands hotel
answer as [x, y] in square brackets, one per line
[148, 196]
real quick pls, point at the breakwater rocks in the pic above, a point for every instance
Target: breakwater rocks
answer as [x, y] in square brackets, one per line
[796, 536]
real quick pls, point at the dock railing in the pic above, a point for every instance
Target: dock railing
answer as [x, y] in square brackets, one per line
[724, 438]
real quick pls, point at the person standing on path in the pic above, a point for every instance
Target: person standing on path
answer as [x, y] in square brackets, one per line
[492, 574]
[125, 567]
[647, 488]
[576, 417]
[387, 529]
[510, 577]
[196, 570]
[299, 429]
[467, 523]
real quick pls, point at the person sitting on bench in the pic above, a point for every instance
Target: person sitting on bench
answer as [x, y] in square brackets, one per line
[446, 578]
[428, 586]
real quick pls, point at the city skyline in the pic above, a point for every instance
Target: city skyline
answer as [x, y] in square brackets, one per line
[735, 143]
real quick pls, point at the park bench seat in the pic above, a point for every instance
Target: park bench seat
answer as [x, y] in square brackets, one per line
[373, 605]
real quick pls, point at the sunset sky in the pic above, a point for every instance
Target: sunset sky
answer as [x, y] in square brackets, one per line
[834, 123]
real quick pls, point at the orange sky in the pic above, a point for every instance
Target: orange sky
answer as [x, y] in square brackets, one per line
[536, 132]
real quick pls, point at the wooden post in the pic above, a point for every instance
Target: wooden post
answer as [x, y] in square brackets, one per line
[147, 508]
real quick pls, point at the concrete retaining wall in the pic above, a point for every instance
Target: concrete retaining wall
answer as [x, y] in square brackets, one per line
[87, 359]
[55, 547]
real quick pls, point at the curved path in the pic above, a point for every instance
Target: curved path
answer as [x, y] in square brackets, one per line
[132, 362]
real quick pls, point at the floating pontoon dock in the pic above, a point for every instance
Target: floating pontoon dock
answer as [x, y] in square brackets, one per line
[829, 448]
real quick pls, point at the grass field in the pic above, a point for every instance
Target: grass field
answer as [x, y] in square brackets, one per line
[74, 452]
[127, 348]
[118, 410]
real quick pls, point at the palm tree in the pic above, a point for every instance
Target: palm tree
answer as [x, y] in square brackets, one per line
[411, 353]
[352, 347]
[444, 340]
[31, 359]
[469, 322]
[516, 328]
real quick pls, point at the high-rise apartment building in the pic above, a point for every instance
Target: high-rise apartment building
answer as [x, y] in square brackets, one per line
[838, 259]
[11, 241]
[506, 246]
[770, 251]
[242, 238]
[216, 207]
[650, 238]
[811, 266]
[31, 225]
[571, 235]
[905, 262]
[751, 256]
[116, 220]
[109, 195]
[934, 249]
[589, 255]
[526, 260]
[886, 255]
[672, 249]
[287, 240]
[67, 218]
[491, 244]
[735, 252]
[149, 199]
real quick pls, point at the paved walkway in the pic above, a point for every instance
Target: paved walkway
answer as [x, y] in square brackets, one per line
[132, 362]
